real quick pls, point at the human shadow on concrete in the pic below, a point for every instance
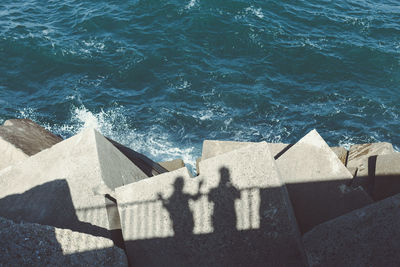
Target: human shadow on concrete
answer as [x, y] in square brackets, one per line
[265, 232]
[48, 204]
[177, 206]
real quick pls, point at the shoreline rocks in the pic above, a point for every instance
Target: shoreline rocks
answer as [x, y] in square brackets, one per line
[251, 203]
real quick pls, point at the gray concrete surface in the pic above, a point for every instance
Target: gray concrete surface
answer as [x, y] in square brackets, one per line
[172, 165]
[387, 176]
[21, 138]
[236, 213]
[341, 153]
[362, 159]
[365, 237]
[28, 244]
[317, 182]
[64, 186]
[212, 148]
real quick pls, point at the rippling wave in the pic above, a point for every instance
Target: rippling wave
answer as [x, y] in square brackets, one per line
[161, 76]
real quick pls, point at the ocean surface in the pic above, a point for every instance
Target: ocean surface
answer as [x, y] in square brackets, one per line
[160, 76]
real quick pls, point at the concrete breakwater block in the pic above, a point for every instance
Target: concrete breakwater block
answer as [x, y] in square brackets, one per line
[362, 160]
[64, 186]
[146, 165]
[317, 182]
[341, 153]
[387, 176]
[172, 165]
[236, 213]
[212, 148]
[28, 244]
[368, 236]
[21, 138]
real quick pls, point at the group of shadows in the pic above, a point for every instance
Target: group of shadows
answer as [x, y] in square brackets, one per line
[274, 242]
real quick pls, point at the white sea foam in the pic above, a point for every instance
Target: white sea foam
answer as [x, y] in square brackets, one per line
[154, 142]
[191, 4]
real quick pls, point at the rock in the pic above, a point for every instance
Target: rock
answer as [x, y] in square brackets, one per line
[27, 244]
[65, 186]
[197, 165]
[149, 167]
[21, 138]
[360, 156]
[212, 148]
[235, 213]
[387, 176]
[317, 182]
[341, 153]
[172, 165]
[368, 236]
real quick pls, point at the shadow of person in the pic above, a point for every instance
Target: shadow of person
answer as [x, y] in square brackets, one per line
[177, 206]
[223, 196]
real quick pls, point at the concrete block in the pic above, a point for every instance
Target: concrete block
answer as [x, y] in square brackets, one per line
[387, 176]
[172, 165]
[368, 236]
[317, 182]
[27, 244]
[21, 138]
[236, 213]
[197, 165]
[149, 167]
[65, 186]
[362, 157]
[341, 153]
[212, 148]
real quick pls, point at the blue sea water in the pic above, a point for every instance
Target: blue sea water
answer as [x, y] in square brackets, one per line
[160, 76]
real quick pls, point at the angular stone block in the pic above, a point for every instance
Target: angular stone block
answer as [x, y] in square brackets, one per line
[149, 167]
[212, 148]
[28, 244]
[387, 176]
[341, 153]
[368, 236]
[236, 213]
[172, 165]
[65, 186]
[21, 138]
[362, 157]
[317, 182]
[358, 154]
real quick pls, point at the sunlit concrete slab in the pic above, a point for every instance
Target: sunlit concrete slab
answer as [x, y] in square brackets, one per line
[29, 244]
[65, 186]
[387, 176]
[172, 165]
[21, 138]
[341, 153]
[368, 236]
[236, 213]
[362, 159]
[317, 182]
[212, 148]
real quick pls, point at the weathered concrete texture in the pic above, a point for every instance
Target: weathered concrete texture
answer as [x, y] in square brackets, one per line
[236, 213]
[365, 237]
[64, 186]
[172, 165]
[21, 138]
[317, 182]
[387, 176]
[27, 244]
[341, 153]
[362, 157]
[359, 154]
[212, 148]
